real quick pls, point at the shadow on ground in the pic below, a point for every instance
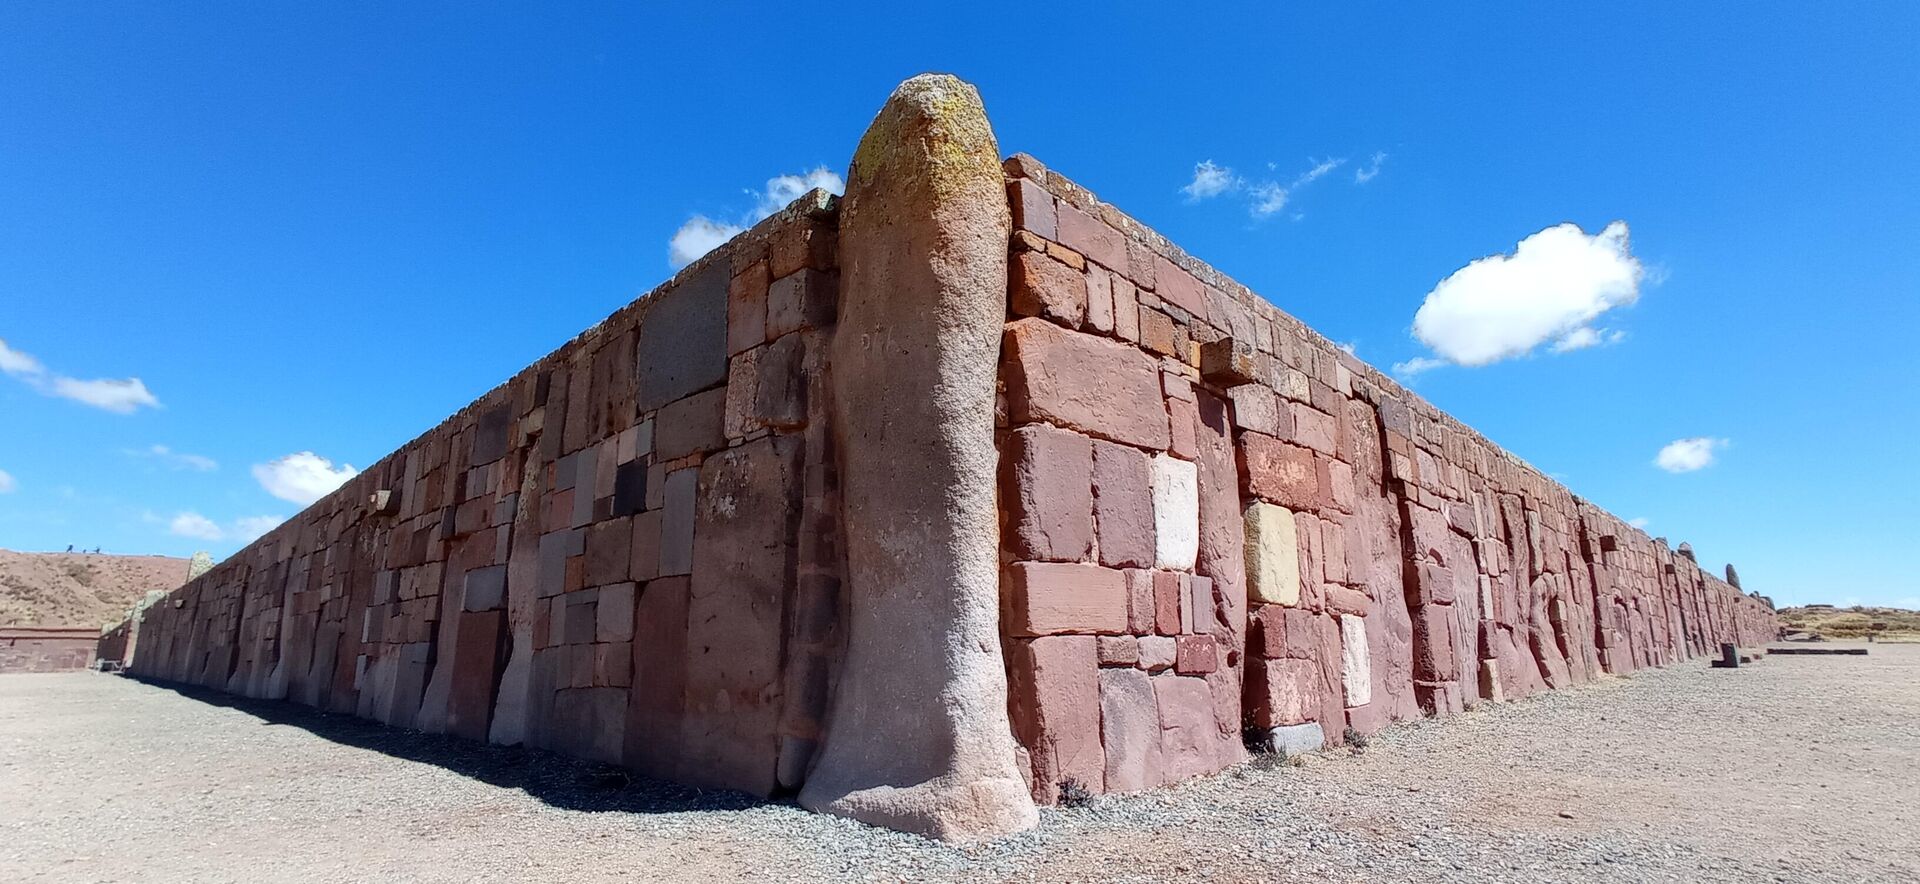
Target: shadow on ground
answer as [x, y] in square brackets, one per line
[557, 780]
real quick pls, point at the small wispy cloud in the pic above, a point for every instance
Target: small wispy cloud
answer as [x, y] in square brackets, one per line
[1210, 180]
[1687, 455]
[1268, 198]
[120, 396]
[702, 234]
[178, 460]
[7, 484]
[1640, 522]
[190, 524]
[1367, 173]
[1416, 366]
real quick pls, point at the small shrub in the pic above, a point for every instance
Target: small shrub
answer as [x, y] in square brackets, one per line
[1073, 794]
[1357, 740]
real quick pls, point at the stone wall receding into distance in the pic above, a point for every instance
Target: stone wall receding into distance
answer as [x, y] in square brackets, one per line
[928, 503]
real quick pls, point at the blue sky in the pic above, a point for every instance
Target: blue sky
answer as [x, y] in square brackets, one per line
[322, 229]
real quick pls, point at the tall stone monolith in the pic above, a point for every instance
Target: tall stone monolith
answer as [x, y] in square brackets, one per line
[917, 737]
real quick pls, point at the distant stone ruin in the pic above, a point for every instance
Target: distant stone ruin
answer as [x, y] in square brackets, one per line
[924, 503]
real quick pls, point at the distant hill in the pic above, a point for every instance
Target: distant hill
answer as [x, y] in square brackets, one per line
[1855, 622]
[76, 589]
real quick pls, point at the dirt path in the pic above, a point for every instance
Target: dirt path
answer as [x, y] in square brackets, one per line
[1795, 769]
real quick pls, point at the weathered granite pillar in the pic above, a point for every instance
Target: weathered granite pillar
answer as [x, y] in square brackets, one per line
[917, 737]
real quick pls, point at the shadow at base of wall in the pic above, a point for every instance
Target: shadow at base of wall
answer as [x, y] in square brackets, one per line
[556, 780]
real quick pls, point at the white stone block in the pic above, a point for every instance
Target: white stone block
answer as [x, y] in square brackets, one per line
[1356, 665]
[1176, 513]
[1273, 555]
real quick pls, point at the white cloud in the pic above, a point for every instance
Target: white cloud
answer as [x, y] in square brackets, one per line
[1552, 287]
[1210, 180]
[1417, 365]
[178, 460]
[1319, 170]
[697, 237]
[1640, 522]
[1362, 176]
[1687, 455]
[194, 525]
[123, 396]
[302, 477]
[1352, 347]
[702, 234]
[247, 529]
[784, 189]
[1268, 198]
[19, 364]
[7, 484]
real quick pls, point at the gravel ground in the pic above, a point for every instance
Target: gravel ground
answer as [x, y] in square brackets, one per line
[1796, 769]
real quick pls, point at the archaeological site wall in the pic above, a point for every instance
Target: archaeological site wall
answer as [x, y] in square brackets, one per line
[46, 649]
[930, 502]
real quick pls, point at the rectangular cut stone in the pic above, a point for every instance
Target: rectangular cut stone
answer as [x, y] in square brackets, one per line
[1092, 237]
[1278, 472]
[1273, 555]
[747, 308]
[1045, 598]
[807, 298]
[1179, 288]
[694, 424]
[1297, 739]
[1041, 286]
[1284, 692]
[1356, 664]
[1054, 688]
[1283, 632]
[614, 614]
[1189, 735]
[1158, 652]
[1097, 386]
[1032, 208]
[1123, 506]
[1176, 513]
[676, 523]
[1140, 609]
[1049, 494]
[743, 565]
[485, 589]
[682, 342]
[656, 704]
[1195, 655]
[476, 660]
[1119, 650]
[1129, 731]
[1167, 602]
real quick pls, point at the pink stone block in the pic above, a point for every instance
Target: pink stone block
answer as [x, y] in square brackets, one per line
[1045, 598]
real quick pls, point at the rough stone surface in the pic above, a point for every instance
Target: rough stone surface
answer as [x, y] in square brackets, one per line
[1096, 386]
[1273, 555]
[925, 225]
[1176, 512]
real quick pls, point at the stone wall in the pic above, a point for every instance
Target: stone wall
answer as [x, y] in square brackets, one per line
[46, 649]
[624, 553]
[743, 532]
[1215, 519]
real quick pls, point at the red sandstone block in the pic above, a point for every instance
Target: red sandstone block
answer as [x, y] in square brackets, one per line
[1183, 420]
[1283, 692]
[1195, 655]
[1043, 287]
[1119, 650]
[1045, 598]
[1049, 494]
[798, 246]
[747, 308]
[1100, 301]
[1156, 332]
[1167, 602]
[1140, 608]
[805, 299]
[644, 558]
[609, 545]
[1332, 552]
[1343, 600]
[1091, 237]
[1097, 386]
[1277, 472]
[1436, 585]
[1126, 310]
[1032, 208]
[1433, 642]
[1179, 288]
[1054, 693]
[1189, 734]
[613, 664]
[1257, 408]
[1313, 428]
[1279, 631]
[1200, 603]
[1123, 505]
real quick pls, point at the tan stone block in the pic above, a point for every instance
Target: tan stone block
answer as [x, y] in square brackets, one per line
[1273, 555]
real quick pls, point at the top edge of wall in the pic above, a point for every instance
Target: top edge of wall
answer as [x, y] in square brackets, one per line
[816, 206]
[1023, 165]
